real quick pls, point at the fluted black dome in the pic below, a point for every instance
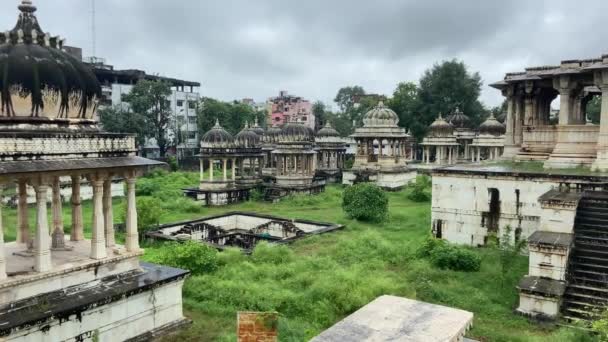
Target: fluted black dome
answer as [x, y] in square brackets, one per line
[458, 119]
[217, 137]
[38, 78]
[441, 128]
[296, 132]
[492, 127]
[327, 131]
[247, 138]
[272, 134]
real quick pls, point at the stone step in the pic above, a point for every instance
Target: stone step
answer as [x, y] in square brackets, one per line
[571, 294]
[599, 213]
[591, 239]
[598, 261]
[590, 250]
[585, 281]
[583, 304]
[576, 266]
[587, 289]
[584, 230]
[590, 274]
[579, 313]
[592, 221]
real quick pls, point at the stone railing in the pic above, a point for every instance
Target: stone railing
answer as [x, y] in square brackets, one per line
[539, 138]
[59, 146]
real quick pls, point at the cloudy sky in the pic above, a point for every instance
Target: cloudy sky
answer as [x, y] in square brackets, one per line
[246, 48]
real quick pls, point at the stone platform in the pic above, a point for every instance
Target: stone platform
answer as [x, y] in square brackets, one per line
[129, 306]
[390, 318]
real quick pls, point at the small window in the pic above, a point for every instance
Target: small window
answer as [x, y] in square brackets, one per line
[180, 103]
[192, 105]
[192, 135]
[192, 120]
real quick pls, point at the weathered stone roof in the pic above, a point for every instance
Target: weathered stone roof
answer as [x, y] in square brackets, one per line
[381, 116]
[39, 166]
[441, 128]
[492, 127]
[247, 138]
[217, 137]
[542, 286]
[551, 239]
[296, 132]
[458, 119]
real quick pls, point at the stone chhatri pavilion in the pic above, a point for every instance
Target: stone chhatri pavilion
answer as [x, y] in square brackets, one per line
[440, 143]
[489, 142]
[383, 149]
[570, 143]
[331, 151]
[90, 287]
[240, 161]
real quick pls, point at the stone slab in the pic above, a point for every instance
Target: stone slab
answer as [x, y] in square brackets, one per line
[542, 286]
[28, 166]
[390, 318]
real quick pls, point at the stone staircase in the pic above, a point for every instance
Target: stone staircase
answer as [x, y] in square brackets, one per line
[588, 264]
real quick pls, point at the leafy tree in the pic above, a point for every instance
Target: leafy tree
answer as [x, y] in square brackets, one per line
[341, 123]
[448, 85]
[406, 103]
[319, 112]
[346, 97]
[118, 120]
[232, 115]
[365, 202]
[149, 210]
[421, 189]
[149, 99]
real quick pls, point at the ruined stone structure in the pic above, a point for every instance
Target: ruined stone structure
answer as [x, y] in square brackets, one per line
[241, 156]
[56, 286]
[383, 149]
[572, 142]
[269, 144]
[330, 154]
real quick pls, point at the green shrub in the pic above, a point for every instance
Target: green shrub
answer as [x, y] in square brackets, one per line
[365, 202]
[420, 189]
[148, 213]
[193, 256]
[172, 161]
[272, 254]
[446, 256]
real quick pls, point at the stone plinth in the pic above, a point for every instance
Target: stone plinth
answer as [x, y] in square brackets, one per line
[549, 254]
[540, 298]
[576, 146]
[390, 318]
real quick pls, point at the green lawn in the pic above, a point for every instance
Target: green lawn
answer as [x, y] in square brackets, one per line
[319, 280]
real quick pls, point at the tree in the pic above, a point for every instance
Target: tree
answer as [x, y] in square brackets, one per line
[149, 99]
[118, 120]
[449, 85]
[318, 111]
[231, 115]
[406, 104]
[365, 202]
[346, 97]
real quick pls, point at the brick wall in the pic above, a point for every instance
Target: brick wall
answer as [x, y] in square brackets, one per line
[257, 326]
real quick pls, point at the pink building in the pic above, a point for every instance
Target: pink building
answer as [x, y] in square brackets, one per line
[289, 108]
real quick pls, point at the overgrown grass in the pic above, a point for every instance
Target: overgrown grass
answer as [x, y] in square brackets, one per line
[319, 280]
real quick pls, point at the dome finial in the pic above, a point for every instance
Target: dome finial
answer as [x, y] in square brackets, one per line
[217, 123]
[381, 103]
[27, 6]
[440, 117]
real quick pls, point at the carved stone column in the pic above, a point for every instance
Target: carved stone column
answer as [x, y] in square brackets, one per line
[77, 225]
[601, 162]
[108, 213]
[132, 238]
[225, 169]
[42, 245]
[511, 148]
[2, 250]
[58, 241]
[233, 169]
[23, 231]
[98, 240]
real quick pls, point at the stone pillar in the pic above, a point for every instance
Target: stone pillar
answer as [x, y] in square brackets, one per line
[601, 162]
[132, 238]
[23, 231]
[472, 152]
[202, 170]
[529, 114]
[233, 162]
[511, 148]
[225, 169]
[519, 118]
[211, 170]
[42, 250]
[479, 154]
[58, 236]
[77, 225]
[98, 240]
[108, 213]
[2, 250]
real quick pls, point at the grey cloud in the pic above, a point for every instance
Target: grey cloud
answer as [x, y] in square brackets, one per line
[241, 48]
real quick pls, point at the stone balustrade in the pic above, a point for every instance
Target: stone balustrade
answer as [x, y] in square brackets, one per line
[57, 146]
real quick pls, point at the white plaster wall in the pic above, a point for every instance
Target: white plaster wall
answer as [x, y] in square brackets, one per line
[536, 305]
[348, 178]
[548, 263]
[460, 201]
[395, 180]
[226, 222]
[118, 321]
[248, 222]
[308, 227]
[558, 220]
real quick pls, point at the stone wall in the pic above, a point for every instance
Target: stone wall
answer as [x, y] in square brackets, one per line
[257, 327]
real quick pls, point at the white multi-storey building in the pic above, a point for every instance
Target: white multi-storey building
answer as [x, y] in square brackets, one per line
[183, 129]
